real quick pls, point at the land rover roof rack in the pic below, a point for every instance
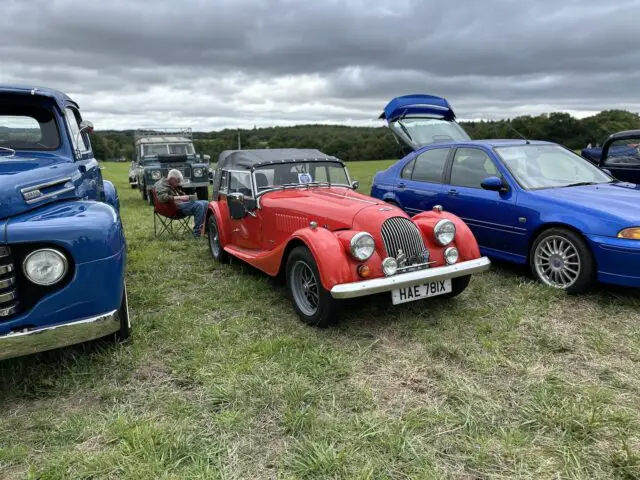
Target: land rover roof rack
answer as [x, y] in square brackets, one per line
[163, 132]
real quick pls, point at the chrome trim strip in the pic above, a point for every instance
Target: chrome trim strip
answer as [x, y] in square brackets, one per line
[45, 185]
[6, 269]
[8, 296]
[32, 341]
[50, 195]
[7, 282]
[385, 284]
[5, 312]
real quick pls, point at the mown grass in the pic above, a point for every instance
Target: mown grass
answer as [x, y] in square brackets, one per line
[509, 380]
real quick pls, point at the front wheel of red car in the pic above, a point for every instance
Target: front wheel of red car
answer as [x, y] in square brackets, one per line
[313, 303]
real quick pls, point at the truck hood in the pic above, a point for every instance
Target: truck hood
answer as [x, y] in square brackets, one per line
[334, 208]
[29, 182]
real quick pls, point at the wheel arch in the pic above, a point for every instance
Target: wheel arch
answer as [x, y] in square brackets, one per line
[548, 226]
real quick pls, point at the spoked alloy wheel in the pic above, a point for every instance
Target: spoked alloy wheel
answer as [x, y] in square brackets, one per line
[304, 287]
[561, 259]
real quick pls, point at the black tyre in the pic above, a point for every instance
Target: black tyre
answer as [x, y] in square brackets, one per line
[144, 192]
[458, 285]
[124, 333]
[216, 250]
[202, 193]
[561, 259]
[315, 305]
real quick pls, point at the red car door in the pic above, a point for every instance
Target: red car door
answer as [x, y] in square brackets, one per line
[246, 232]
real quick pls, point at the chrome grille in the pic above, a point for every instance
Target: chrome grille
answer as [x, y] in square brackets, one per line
[400, 233]
[8, 293]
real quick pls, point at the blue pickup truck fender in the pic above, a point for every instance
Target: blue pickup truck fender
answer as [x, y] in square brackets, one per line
[111, 195]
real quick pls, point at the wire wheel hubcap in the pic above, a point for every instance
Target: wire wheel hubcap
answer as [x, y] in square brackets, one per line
[304, 287]
[557, 262]
[213, 239]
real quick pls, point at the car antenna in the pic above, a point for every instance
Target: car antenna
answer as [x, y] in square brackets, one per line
[517, 132]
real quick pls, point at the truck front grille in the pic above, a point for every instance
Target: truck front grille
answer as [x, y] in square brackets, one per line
[8, 292]
[401, 234]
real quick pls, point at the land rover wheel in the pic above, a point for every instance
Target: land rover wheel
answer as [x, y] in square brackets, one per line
[315, 305]
[217, 252]
[561, 259]
[202, 193]
[144, 192]
[124, 333]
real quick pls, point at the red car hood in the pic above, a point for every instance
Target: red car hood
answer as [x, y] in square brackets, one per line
[335, 207]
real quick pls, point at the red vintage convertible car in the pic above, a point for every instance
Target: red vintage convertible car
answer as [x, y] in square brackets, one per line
[296, 212]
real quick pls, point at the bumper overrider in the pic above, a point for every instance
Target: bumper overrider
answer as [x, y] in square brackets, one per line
[386, 284]
[28, 342]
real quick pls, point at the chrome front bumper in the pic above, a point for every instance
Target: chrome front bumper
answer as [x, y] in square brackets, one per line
[47, 338]
[386, 284]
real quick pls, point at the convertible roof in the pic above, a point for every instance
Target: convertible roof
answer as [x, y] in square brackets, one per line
[248, 159]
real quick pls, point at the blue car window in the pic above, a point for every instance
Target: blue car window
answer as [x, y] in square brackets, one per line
[470, 167]
[407, 171]
[429, 165]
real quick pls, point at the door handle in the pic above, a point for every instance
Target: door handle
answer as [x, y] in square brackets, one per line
[402, 185]
[453, 192]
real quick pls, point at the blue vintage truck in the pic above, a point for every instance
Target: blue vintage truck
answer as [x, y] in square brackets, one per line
[62, 245]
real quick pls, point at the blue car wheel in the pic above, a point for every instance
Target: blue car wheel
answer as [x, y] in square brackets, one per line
[561, 259]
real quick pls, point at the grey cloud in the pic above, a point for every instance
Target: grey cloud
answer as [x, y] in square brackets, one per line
[245, 62]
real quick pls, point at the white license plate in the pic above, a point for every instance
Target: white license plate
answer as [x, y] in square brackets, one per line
[418, 292]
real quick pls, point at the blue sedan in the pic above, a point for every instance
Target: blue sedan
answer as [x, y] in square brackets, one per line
[527, 202]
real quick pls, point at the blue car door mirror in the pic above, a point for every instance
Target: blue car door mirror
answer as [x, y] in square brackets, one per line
[494, 183]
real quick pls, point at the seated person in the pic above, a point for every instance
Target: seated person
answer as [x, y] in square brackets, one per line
[168, 190]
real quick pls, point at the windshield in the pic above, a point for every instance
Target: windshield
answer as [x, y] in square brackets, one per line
[168, 149]
[300, 173]
[424, 131]
[548, 166]
[27, 128]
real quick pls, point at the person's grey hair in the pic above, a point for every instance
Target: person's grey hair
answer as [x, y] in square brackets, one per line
[177, 174]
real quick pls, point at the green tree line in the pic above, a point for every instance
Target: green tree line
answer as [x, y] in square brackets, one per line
[374, 143]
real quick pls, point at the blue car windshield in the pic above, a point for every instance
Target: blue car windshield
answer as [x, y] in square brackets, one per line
[27, 128]
[425, 131]
[549, 166]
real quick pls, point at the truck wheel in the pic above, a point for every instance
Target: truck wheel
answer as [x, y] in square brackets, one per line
[216, 250]
[458, 285]
[123, 315]
[144, 192]
[315, 305]
[202, 193]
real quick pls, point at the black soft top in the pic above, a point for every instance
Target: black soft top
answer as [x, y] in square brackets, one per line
[249, 159]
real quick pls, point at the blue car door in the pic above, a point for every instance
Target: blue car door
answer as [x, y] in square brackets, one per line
[492, 216]
[420, 183]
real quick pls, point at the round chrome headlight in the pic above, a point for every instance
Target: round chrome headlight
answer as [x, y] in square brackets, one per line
[362, 246]
[156, 175]
[451, 255]
[45, 267]
[445, 232]
[389, 266]
[198, 172]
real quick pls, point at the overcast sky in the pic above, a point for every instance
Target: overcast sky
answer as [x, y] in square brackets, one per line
[213, 64]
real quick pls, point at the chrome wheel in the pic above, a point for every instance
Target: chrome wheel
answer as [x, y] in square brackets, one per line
[304, 287]
[557, 262]
[214, 239]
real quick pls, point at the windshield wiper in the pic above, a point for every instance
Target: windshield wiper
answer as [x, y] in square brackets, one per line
[581, 184]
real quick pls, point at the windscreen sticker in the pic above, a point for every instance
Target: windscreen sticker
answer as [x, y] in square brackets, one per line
[304, 178]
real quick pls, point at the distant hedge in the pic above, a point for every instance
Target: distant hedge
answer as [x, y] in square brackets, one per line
[368, 143]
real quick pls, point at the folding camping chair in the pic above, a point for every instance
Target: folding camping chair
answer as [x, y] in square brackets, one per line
[168, 219]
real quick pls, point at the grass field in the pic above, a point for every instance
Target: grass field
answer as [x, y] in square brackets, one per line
[509, 380]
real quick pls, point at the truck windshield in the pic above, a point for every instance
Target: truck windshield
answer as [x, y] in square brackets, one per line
[27, 128]
[168, 149]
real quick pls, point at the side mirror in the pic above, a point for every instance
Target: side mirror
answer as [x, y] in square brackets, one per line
[355, 184]
[495, 184]
[236, 205]
[85, 125]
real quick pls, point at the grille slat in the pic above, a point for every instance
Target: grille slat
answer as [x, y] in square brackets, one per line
[8, 293]
[401, 233]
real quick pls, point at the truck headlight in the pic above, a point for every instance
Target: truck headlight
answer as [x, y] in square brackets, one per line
[362, 246]
[45, 266]
[156, 175]
[445, 232]
[198, 172]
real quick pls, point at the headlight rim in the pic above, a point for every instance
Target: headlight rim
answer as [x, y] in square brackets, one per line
[65, 262]
[153, 174]
[388, 260]
[439, 225]
[352, 245]
[446, 257]
[200, 170]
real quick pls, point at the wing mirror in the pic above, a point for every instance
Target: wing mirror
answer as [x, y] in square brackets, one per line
[355, 184]
[494, 184]
[85, 125]
[238, 206]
